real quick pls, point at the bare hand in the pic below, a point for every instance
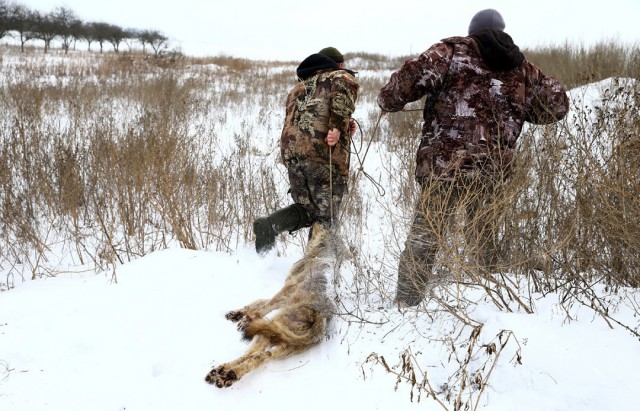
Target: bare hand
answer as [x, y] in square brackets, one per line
[352, 127]
[332, 137]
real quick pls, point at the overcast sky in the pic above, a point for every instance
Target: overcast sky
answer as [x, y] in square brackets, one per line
[293, 29]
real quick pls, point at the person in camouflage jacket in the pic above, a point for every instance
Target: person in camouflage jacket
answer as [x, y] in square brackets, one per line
[314, 144]
[479, 90]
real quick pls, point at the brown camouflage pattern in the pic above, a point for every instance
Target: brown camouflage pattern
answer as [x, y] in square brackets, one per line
[473, 116]
[314, 106]
[324, 101]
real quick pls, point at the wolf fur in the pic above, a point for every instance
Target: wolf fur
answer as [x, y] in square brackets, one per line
[303, 310]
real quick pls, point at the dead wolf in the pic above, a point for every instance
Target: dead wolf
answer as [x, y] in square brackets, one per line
[303, 306]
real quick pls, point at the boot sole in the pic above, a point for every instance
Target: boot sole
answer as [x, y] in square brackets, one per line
[265, 235]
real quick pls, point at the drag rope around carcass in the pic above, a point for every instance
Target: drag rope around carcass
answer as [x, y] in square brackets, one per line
[360, 170]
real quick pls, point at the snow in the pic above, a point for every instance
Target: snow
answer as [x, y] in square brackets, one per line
[143, 336]
[146, 339]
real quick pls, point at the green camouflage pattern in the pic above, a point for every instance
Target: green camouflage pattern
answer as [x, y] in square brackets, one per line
[317, 189]
[324, 101]
[318, 173]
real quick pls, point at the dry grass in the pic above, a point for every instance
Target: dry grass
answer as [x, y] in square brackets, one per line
[577, 65]
[105, 158]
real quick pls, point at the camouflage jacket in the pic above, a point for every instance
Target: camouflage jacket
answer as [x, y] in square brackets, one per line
[324, 98]
[479, 91]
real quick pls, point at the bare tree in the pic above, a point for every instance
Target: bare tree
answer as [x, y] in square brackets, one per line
[98, 32]
[132, 35]
[44, 28]
[4, 18]
[158, 42]
[23, 21]
[115, 36]
[63, 23]
[143, 38]
[66, 25]
[86, 33]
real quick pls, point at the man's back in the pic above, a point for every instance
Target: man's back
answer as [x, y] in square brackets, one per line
[315, 105]
[479, 92]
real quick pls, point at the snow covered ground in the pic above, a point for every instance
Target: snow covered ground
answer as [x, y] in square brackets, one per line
[147, 341]
[145, 337]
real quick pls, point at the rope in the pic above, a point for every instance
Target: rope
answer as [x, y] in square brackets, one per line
[360, 171]
[361, 161]
[331, 186]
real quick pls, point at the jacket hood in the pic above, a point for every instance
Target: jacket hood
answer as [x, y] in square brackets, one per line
[498, 49]
[315, 63]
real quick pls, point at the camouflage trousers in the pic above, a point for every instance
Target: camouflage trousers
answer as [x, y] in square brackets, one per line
[433, 224]
[317, 188]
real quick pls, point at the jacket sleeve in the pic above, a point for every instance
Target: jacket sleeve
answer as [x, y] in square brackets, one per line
[416, 78]
[546, 100]
[344, 93]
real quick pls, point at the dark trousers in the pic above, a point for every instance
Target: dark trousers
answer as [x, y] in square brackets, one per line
[434, 218]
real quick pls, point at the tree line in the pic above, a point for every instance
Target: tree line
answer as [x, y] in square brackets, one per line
[62, 24]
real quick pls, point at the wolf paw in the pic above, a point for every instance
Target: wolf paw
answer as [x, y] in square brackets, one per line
[220, 377]
[234, 316]
[244, 322]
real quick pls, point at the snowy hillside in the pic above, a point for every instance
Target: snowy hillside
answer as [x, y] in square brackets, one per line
[142, 334]
[146, 343]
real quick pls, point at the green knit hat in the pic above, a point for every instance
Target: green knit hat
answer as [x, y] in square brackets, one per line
[332, 53]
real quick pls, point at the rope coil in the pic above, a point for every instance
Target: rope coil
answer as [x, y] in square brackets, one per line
[360, 169]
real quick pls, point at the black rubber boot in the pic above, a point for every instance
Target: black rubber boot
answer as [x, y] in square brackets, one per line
[289, 219]
[415, 277]
[265, 234]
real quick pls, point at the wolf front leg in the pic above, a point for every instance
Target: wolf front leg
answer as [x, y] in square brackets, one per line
[227, 374]
[256, 309]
